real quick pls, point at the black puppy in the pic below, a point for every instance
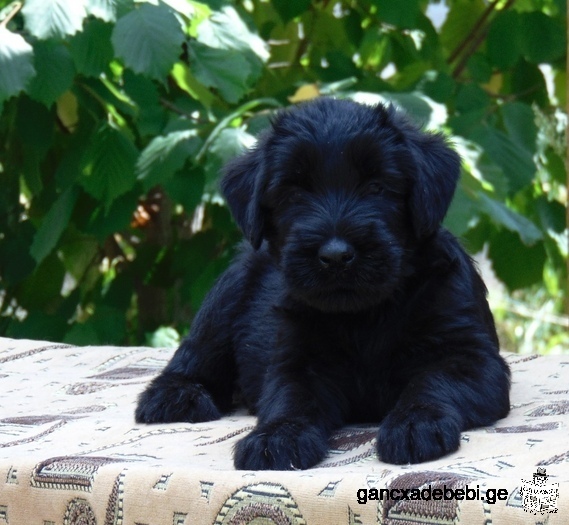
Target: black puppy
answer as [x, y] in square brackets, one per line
[350, 304]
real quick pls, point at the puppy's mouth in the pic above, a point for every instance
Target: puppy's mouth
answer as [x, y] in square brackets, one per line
[343, 298]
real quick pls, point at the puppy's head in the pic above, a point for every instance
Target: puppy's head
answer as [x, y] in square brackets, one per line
[343, 193]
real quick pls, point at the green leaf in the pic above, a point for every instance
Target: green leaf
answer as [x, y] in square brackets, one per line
[519, 120]
[164, 337]
[82, 334]
[529, 83]
[104, 9]
[187, 82]
[103, 222]
[461, 213]
[35, 130]
[222, 69]
[16, 64]
[108, 165]
[187, 187]
[228, 144]
[288, 10]
[55, 72]
[53, 18]
[479, 68]
[54, 224]
[188, 8]
[504, 40]
[225, 30]
[471, 97]
[544, 38]
[151, 113]
[493, 174]
[516, 163]
[198, 263]
[439, 86]
[415, 104]
[460, 20]
[149, 39]
[42, 288]
[560, 86]
[555, 166]
[509, 219]
[16, 263]
[515, 264]
[402, 13]
[38, 325]
[91, 49]
[374, 51]
[552, 214]
[165, 155]
[78, 252]
[109, 323]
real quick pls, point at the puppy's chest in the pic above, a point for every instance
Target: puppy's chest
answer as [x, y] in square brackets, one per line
[365, 361]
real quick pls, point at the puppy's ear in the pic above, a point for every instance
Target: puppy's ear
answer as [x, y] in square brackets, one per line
[242, 186]
[436, 175]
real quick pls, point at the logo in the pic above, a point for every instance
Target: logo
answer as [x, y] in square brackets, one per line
[538, 496]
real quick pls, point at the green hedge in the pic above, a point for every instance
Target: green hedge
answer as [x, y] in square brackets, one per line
[117, 115]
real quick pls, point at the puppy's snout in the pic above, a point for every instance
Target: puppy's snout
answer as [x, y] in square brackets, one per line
[337, 253]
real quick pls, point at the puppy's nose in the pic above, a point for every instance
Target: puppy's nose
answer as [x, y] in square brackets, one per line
[336, 252]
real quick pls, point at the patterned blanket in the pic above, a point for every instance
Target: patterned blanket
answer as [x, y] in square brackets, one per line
[71, 453]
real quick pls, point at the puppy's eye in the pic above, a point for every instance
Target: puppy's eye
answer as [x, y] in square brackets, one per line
[374, 188]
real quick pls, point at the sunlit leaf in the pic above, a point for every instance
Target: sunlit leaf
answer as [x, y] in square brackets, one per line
[53, 18]
[108, 165]
[226, 30]
[528, 232]
[516, 162]
[228, 144]
[16, 64]
[187, 81]
[104, 9]
[165, 155]
[149, 40]
[222, 69]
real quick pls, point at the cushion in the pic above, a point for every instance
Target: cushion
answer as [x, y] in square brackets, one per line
[71, 453]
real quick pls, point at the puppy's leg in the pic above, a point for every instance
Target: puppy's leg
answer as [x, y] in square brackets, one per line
[467, 389]
[197, 384]
[298, 410]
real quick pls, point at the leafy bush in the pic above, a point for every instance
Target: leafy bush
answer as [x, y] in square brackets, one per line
[117, 116]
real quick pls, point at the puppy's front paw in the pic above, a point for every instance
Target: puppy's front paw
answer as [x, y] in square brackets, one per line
[171, 398]
[281, 446]
[417, 434]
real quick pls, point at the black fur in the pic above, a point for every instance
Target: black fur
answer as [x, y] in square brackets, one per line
[350, 304]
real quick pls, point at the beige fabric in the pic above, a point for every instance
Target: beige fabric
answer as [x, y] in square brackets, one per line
[70, 453]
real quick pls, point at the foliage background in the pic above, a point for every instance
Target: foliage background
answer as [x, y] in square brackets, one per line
[116, 116]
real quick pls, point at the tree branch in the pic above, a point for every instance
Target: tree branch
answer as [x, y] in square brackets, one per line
[473, 40]
[472, 35]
